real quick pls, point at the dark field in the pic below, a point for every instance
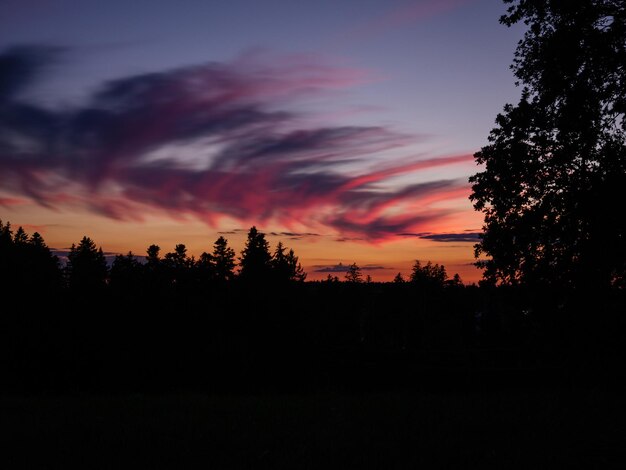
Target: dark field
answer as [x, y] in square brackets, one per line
[503, 429]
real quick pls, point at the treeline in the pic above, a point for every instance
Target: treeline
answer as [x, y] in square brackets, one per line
[26, 260]
[249, 323]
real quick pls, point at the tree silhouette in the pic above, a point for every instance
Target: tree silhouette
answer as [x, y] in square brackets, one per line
[126, 273]
[86, 266]
[555, 167]
[430, 276]
[255, 261]
[152, 255]
[456, 281]
[155, 275]
[21, 237]
[43, 267]
[296, 272]
[354, 275]
[223, 259]
[398, 279]
[27, 262]
[285, 266]
[178, 266]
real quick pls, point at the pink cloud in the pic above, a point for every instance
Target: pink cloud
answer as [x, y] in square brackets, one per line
[251, 160]
[12, 201]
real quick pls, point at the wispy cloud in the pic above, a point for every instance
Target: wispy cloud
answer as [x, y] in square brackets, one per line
[466, 236]
[211, 141]
[398, 17]
[342, 268]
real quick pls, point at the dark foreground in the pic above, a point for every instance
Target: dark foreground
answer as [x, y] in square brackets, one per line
[314, 376]
[504, 429]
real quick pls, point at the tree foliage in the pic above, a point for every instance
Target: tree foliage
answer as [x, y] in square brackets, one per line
[255, 260]
[555, 165]
[86, 266]
[27, 261]
[223, 260]
[429, 275]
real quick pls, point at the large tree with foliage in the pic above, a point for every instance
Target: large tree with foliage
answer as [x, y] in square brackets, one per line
[555, 166]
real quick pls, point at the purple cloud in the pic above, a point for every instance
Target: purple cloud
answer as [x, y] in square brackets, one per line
[209, 141]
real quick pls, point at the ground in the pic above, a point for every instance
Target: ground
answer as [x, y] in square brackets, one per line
[400, 429]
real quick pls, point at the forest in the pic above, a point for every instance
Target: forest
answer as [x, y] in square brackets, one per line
[222, 323]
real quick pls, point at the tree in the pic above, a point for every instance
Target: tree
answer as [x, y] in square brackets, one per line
[153, 259]
[43, 267]
[430, 276]
[27, 262]
[86, 266]
[398, 279]
[280, 266]
[21, 237]
[296, 272]
[178, 265]
[456, 281]
[286, 266]
[126, 273]
[223, 260]
[555, 165]
[255, 260]
[155, 275]
[354, 275]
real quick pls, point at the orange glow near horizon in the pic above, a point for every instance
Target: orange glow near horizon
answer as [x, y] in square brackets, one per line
[324, 249]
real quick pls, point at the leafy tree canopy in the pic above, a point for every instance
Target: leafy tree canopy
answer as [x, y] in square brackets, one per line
[555, 165]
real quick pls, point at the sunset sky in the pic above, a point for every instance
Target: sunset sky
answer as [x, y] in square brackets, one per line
[344, 128]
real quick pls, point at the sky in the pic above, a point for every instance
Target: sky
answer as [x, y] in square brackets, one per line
[344, 128]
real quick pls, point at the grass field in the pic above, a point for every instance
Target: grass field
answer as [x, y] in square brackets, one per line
[505, 429]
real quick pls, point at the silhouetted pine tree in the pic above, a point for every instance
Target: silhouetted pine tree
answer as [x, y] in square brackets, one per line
[44, 271]
[223, 260]
[178, 266]
[285, 266]
[126, 274]
[255, 261]
[296, 272]
[86, 267]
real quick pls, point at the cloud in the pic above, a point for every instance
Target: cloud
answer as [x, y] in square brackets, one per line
[466, 236]
[396, 18]
[12, 201]
[294, 234]
[337, 268]
[341, 268]
[211, 141]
